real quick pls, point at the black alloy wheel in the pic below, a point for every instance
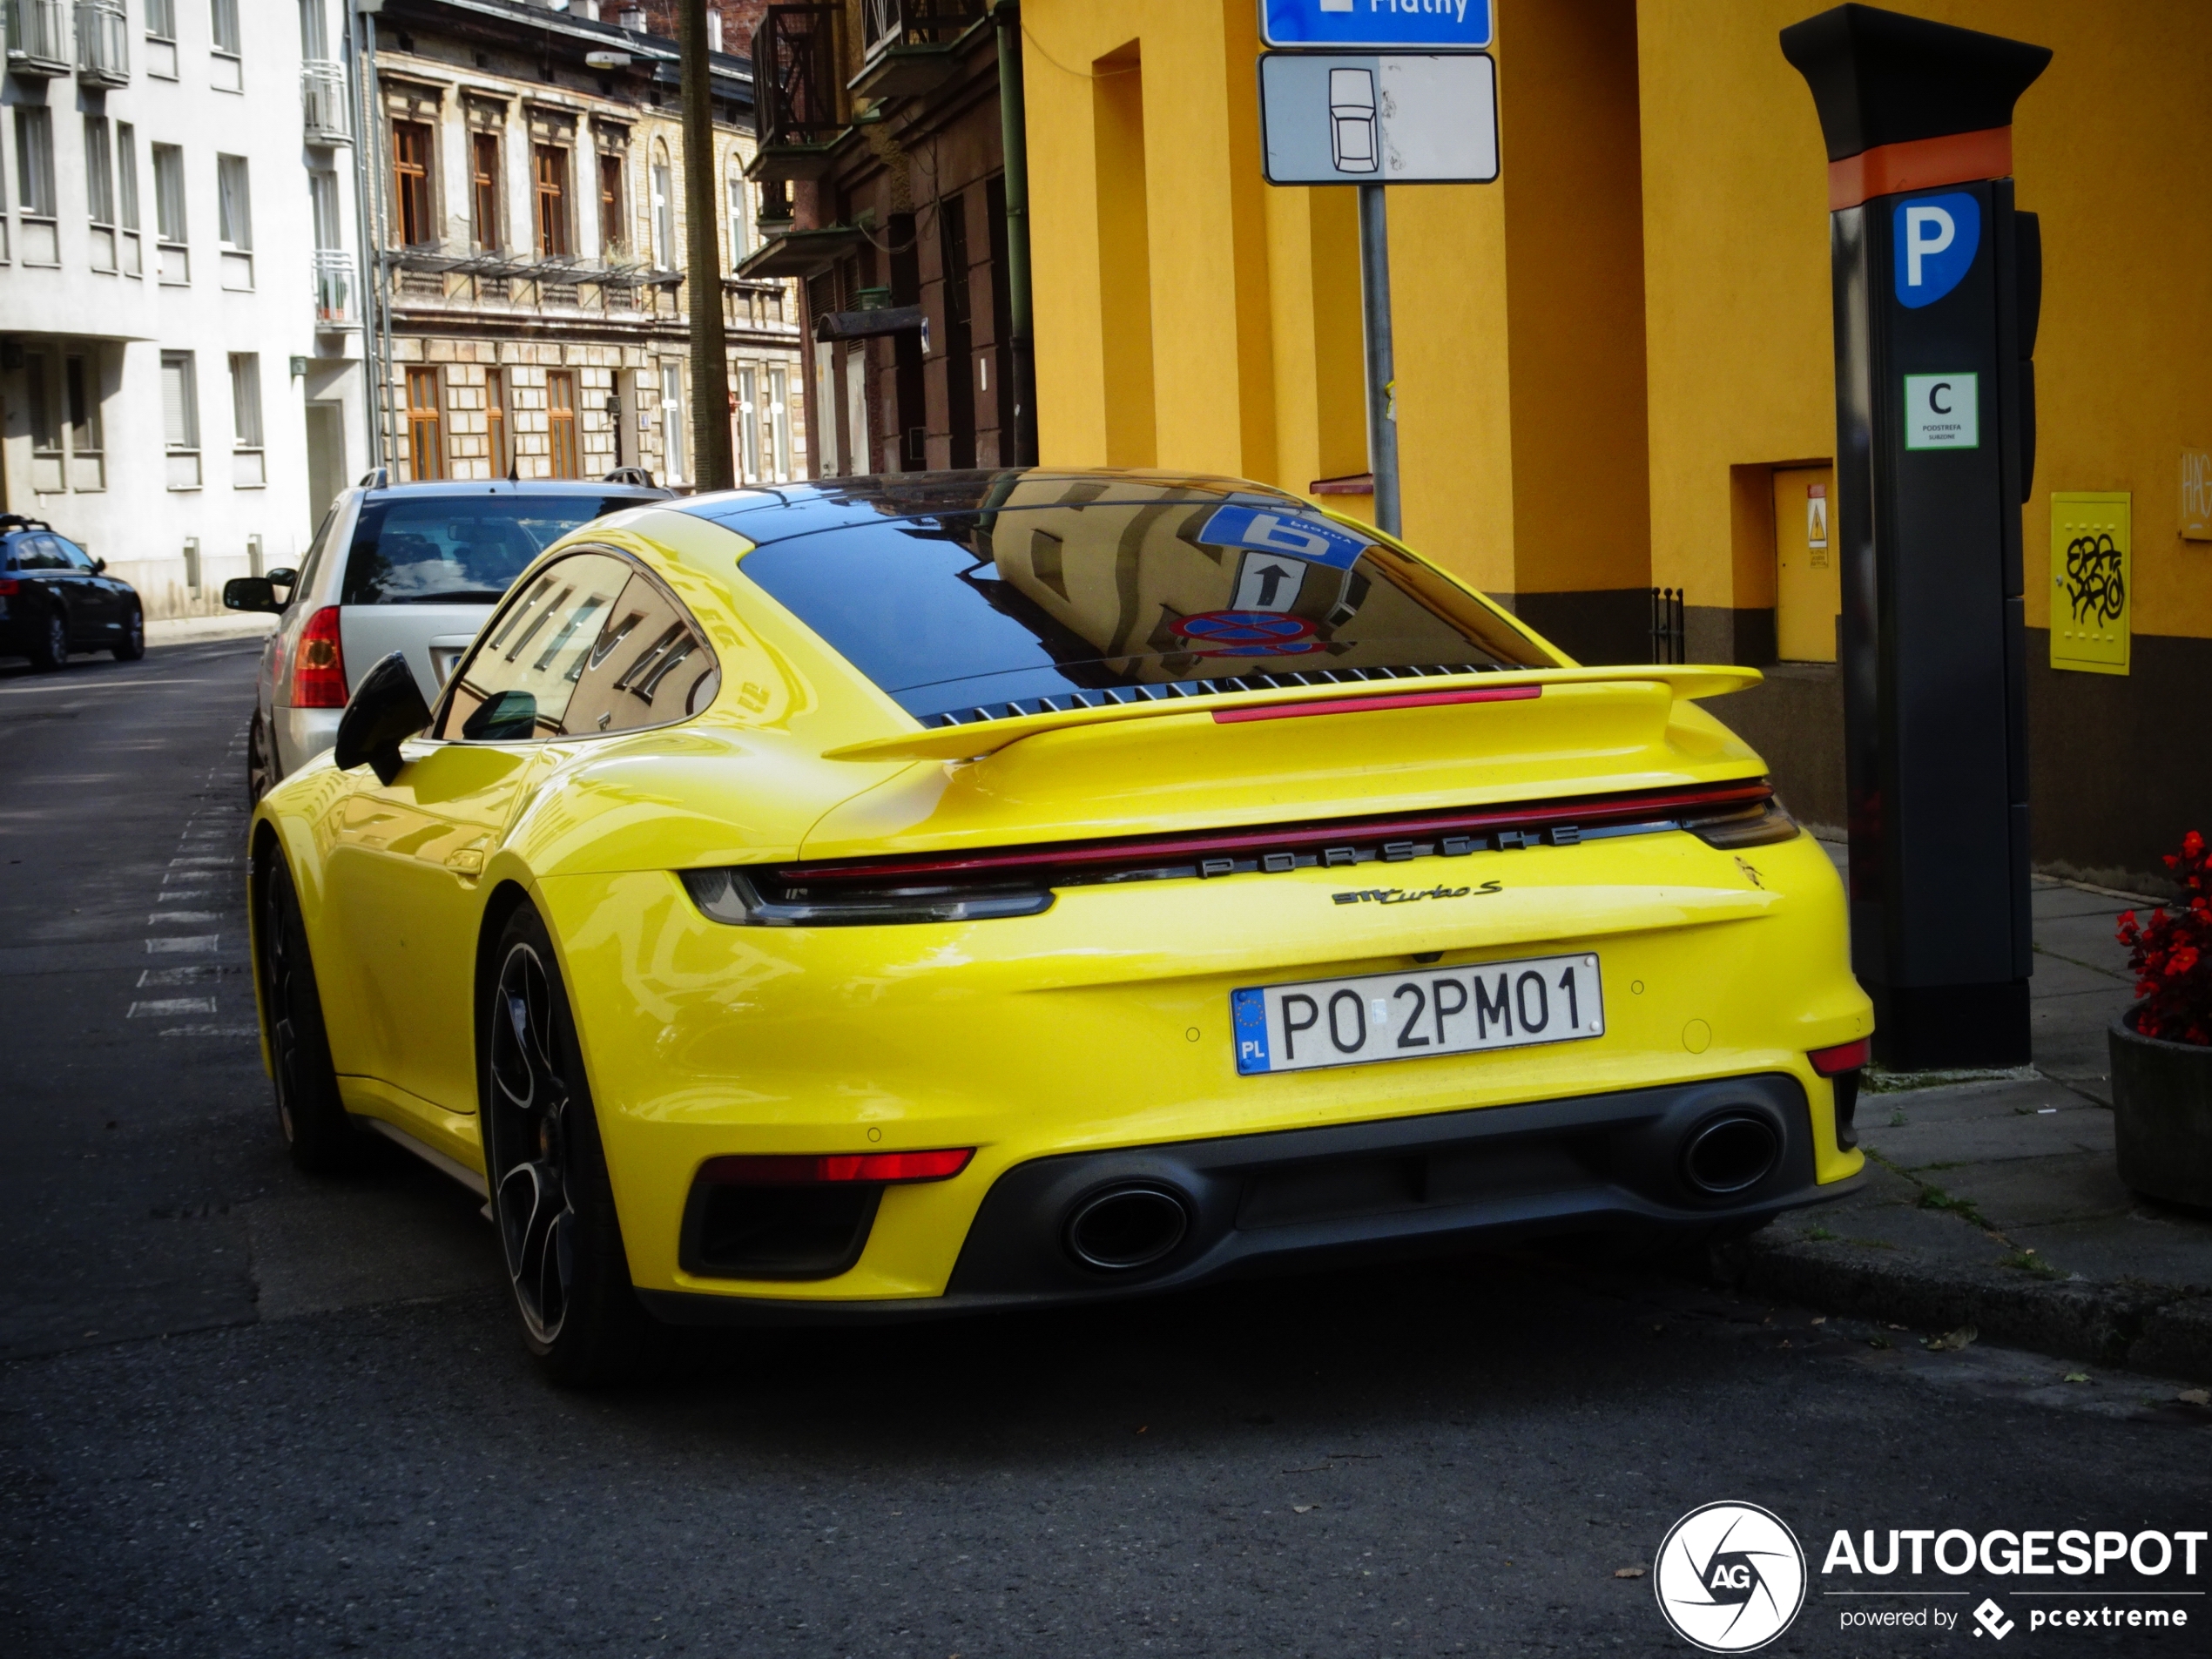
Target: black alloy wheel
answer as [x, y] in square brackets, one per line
[260, 770]
[309, 1111]
[551, 1194]
[133, 645]
[50, 642]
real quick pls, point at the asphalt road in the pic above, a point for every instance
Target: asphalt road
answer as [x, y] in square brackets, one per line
[246, 1413]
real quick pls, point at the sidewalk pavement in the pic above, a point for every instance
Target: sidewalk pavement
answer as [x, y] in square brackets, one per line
[1992, 1201]
[172, 631]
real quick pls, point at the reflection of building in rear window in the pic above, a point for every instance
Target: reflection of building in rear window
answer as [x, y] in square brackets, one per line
[973, 609]
[1352, 120]
[456, 549]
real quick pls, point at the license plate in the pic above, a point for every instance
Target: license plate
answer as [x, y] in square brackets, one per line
[1412, 1015]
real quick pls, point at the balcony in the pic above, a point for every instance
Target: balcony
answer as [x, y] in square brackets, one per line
[908, 45]
[38, 37]
[323, 101]
[337, 307]
[795, 82]
[103, 43]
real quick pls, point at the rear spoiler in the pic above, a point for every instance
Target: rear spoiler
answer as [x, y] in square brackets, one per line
[981, 737]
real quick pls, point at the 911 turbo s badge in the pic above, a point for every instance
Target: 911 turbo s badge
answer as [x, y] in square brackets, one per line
[1401, 895]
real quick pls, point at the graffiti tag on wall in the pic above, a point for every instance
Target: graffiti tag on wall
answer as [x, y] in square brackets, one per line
[2095, 585]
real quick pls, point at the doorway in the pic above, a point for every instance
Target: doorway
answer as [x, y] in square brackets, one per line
[1807, 583]
[326, 456]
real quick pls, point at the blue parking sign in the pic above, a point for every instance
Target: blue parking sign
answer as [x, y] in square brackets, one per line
[1376, 25]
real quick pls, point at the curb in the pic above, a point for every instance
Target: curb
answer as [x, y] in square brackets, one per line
[2155, 1328]
[171, 630]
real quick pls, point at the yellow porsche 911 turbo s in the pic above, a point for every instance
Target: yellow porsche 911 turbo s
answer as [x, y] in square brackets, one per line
[971, 891]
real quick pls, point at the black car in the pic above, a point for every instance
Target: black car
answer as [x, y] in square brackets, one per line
[55, 598]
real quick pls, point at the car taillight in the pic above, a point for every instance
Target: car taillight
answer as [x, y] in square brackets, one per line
[319, 671]
[880, 1167]
[1758, 825]
[1845, 1057]
[773, 899]
[8, 587]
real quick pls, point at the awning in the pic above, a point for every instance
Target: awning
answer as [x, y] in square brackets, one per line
[801, 254]
[869, 324]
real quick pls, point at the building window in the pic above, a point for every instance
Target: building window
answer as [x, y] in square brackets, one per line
[227, 73]
[778, 414]
[45, 430]
[560, 420]
[99, 189]
[672, 419]
[483, 161]
[749, 423]
[664, 210]
[35, 185]
[169, 212]
[552, 166]
[161, 39]
[496, 431]
[126, 179]
[315, 37]
[80, 394]
[411, 148]
[426, 441]
[181, 419]
[740, 217]
[234, 222]
[322, 204]
[613, 236]
[248, 470]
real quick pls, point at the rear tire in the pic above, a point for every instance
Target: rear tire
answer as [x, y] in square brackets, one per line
[260, 771]
[133, 645]
[321, 1137]
[551, 1200]
[49, 643]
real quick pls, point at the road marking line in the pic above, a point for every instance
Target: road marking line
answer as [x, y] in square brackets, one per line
[212, 1031]
[182, 918]
[197, 972]
[197, 945]
[205, 863]
[165, 1005]
[100, 686]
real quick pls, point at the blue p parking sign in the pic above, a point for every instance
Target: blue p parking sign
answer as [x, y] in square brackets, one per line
[1935, 238]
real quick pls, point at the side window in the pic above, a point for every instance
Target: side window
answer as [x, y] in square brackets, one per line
[73, 555]
[39, 552]
[592, 645]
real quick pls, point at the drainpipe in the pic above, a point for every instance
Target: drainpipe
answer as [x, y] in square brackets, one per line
[361, 78]
[1013, 124]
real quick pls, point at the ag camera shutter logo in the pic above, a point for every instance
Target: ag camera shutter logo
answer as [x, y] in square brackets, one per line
[1730, 1577]
[1934, 239]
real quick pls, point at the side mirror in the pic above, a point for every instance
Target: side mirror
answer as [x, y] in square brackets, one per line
[387, 708]
[284, 576]
[98, 566]
[250, 593]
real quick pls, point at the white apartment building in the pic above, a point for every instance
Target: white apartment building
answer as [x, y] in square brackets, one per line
[181, 387]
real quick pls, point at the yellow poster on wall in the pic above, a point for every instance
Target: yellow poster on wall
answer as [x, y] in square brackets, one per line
[2090, 574]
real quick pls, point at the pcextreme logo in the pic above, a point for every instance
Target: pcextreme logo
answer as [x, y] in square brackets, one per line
[1730, 1577]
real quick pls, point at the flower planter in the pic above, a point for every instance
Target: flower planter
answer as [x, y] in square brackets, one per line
[2161, 1107]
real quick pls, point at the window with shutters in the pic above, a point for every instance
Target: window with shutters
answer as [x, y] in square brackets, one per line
[551, 162]
[181, 419]
[411, 150]
[426, 439]
[248, 469]
[484, 163]
[560, 420]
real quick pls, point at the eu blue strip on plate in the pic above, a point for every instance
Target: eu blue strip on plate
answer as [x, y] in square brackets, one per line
[1248, 1018]
[1312, 539]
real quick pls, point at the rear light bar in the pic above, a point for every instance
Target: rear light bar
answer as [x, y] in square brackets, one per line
[1845, 1057]
[318, 670]
[1019, 881]
[878, 1169]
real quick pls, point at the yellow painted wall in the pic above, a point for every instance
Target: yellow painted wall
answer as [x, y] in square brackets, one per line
[2106, 147]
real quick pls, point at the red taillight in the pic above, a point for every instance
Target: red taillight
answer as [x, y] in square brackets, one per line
[8, 587]
[319, 671]
[1845, 1057]
[878, 1167]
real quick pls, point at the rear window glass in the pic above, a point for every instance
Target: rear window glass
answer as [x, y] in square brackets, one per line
[964, 614]
[457, 549]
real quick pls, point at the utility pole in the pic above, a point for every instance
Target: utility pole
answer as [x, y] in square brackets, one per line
[1382, 361]
[712, 465]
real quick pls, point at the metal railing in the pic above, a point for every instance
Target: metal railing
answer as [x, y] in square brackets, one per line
[886, 23]
[795, 74]
[103, 42]
[38, 36]
[336, 306]
[1669, 632]
[328, 111]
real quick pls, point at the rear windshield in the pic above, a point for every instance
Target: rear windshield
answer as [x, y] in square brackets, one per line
[457, 549]
[964, 613]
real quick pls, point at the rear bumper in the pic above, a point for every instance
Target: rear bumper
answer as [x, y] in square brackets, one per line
[1306, 1198]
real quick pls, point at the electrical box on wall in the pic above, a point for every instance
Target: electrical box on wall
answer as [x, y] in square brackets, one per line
[2091, 564]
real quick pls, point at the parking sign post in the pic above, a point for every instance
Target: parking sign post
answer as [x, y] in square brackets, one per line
[1371, 98]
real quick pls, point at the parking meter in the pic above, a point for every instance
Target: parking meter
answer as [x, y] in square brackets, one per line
[1937, 285]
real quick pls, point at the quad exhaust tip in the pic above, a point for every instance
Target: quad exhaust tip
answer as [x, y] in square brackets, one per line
[1125, 1228]
[1730, 1153]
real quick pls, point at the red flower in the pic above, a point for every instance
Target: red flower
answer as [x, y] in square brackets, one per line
[2171, 954]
